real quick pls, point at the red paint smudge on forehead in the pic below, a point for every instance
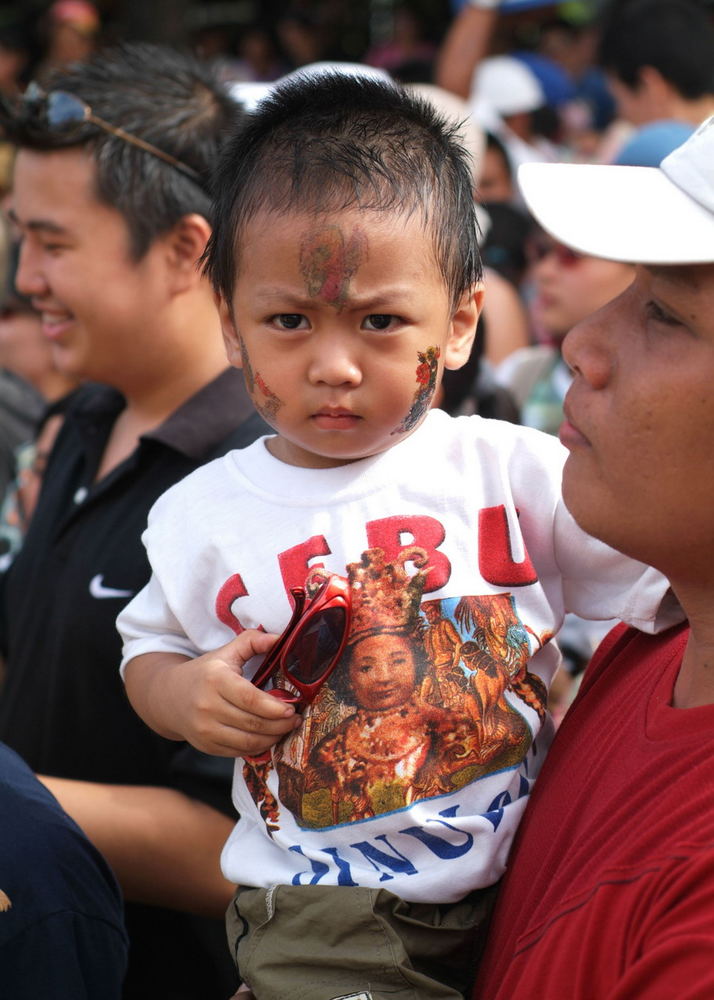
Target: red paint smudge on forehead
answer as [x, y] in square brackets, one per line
[328, 261]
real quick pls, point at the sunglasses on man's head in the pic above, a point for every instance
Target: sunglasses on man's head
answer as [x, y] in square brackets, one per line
[310, 647]
[66, 114]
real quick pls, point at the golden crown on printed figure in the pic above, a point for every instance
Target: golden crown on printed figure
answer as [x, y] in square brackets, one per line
[384, 597]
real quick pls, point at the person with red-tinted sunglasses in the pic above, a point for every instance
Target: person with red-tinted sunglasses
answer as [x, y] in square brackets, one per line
[567, 286]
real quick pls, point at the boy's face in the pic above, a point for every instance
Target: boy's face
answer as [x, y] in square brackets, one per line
[342, 324]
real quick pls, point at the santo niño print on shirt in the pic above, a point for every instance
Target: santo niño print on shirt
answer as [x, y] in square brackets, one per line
[426, 698]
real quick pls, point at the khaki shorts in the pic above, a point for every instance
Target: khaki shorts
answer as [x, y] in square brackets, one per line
[313, 942]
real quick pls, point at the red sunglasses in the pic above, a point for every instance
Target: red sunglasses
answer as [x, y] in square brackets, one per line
[310, 647]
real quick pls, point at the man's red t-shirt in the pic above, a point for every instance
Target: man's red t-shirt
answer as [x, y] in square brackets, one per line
[609, 892]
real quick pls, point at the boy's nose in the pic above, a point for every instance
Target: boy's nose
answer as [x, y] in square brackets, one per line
[334, 363]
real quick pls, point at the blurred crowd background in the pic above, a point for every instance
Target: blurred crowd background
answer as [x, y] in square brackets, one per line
[260, 36]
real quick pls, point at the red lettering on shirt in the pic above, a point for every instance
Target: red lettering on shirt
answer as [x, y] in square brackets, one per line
[425, 532]
[495, 556]
[231, 590]
[295, 562]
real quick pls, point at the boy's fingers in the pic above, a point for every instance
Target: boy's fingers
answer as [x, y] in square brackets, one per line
[250, 643]
[231, 731]
[259, 706]
[247, 734]
[243, 694]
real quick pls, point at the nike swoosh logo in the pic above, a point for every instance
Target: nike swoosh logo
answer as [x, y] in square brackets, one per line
[98, 590]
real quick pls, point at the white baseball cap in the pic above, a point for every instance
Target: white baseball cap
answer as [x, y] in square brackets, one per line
[646, 215]
[503, 86]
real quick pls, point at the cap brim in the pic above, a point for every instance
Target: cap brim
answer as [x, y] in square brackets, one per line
[623, 213]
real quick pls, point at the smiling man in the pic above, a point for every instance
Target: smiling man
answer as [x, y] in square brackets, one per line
[610, 889]
[110, 199]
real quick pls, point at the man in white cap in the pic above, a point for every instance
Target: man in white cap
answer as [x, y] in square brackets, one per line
[610, 887]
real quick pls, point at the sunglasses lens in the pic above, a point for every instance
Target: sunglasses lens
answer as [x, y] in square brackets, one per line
[566, 256]
[316, 646]
[64, 109]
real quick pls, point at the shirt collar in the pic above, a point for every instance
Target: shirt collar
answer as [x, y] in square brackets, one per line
[208, 416]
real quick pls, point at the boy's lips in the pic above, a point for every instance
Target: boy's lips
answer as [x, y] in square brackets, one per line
[335, 418]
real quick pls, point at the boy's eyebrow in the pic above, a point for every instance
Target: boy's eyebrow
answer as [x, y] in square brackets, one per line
[279, 291]
[358, 303]
[381, 297]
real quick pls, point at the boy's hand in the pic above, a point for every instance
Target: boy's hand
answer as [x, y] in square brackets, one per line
[207, 701]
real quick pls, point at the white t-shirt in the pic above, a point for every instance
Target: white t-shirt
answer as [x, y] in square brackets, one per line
[421, 797]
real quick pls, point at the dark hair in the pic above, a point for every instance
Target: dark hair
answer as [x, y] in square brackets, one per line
[156, 93]
[675, 37]
[329, 142]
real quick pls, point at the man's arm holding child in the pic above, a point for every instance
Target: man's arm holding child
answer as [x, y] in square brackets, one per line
[207, 701]
[163, 845]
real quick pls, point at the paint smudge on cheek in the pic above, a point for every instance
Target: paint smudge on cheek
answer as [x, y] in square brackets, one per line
[264, 399]
[426, 373]
[270, 404]
[247, 367]
[328, 262]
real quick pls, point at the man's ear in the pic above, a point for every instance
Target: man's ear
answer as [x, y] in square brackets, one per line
[231, 338]
[463, 328]
[185, 244]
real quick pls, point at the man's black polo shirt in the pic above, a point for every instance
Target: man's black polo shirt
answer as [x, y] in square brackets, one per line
[63, 706]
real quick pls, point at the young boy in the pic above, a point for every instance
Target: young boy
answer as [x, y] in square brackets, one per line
[347, 272]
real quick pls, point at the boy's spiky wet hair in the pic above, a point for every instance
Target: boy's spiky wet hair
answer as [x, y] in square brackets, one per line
[330, 142]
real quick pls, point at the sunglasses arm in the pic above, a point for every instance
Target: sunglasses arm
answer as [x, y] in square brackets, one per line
[148, 147]
[269, 664]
